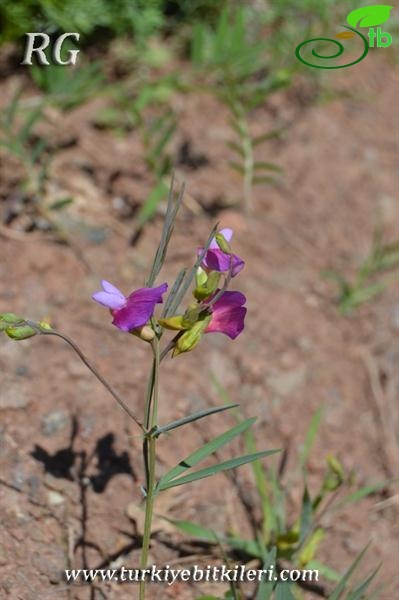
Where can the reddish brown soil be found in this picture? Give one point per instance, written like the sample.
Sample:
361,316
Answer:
296,354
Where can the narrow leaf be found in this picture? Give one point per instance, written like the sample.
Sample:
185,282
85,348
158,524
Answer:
191,418
283,591
310,437
218,468
267,166
361,588
267,136
175,288
337,593
365,491
206,450
265,588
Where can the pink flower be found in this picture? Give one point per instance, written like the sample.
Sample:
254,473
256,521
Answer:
228,314
132,311
217,260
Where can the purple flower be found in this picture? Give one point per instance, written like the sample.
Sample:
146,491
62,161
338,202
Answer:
135,310
217,260
228,314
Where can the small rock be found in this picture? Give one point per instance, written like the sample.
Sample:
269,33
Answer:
54,422
54,498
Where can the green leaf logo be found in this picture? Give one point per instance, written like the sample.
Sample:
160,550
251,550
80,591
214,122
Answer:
369,16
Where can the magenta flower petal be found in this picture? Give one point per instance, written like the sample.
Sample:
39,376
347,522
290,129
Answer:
217,260
133,311
139,308
153,295
228,314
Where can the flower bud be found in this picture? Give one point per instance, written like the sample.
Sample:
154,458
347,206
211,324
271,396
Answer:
223,243
145,333
201,277
335,475
175,323
210,286
7,319
22,332
191,337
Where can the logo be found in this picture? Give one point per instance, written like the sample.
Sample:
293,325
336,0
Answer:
370,17
44,43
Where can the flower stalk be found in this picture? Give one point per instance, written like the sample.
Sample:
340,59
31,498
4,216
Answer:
149,456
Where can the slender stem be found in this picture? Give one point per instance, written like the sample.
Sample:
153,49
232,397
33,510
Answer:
149,455
88,364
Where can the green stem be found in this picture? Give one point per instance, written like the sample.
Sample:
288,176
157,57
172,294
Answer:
246,142
149,455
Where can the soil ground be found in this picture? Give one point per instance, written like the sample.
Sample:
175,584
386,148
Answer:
70,460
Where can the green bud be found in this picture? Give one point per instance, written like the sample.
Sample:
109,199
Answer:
22,332
10,318
175,323
190,338
223,243
206,290
335,475
191,315
201,277
336,467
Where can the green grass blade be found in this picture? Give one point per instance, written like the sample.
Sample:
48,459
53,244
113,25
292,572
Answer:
283,591
196,531
310,437
365,491
149,208
361,588
306,516
265,588
337,593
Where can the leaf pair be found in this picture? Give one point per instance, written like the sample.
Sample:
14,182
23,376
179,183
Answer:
176,475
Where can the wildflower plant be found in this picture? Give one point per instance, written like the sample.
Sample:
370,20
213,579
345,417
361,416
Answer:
212,308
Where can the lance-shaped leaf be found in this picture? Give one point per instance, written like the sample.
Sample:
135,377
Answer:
197,531
265,588
218,468
206,450
283,591
369,16
359,591
338,591
190,418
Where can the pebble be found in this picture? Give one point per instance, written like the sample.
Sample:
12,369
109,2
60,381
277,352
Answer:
54,422
54,498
